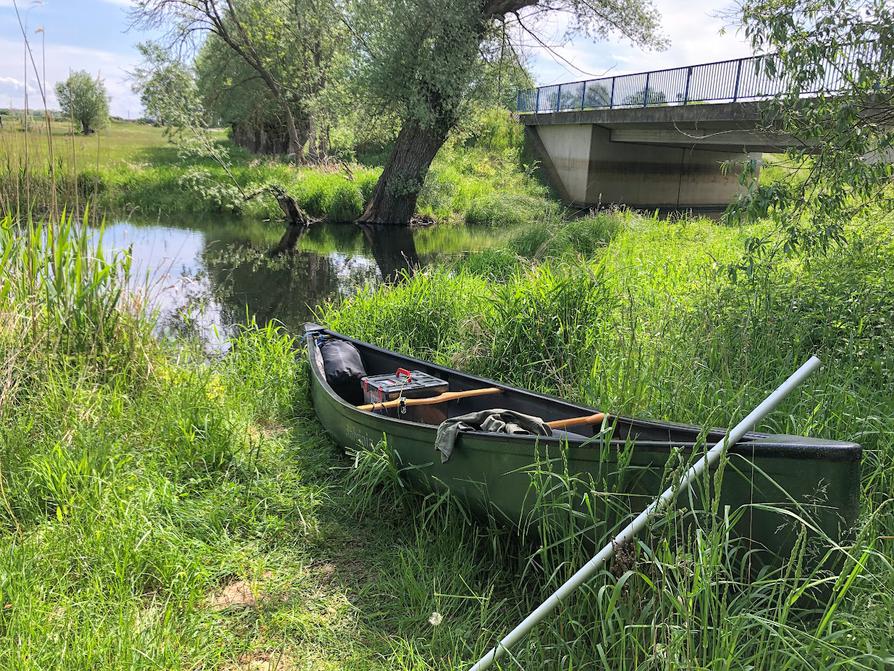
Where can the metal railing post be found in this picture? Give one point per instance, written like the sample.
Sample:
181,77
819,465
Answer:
611,97
646,90
559,99
537,102
738,77
688,79
583,96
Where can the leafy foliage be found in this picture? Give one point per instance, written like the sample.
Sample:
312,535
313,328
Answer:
84,100
167,90
845,133
283,47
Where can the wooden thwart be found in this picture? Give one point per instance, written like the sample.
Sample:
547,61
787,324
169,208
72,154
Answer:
576,421
432,400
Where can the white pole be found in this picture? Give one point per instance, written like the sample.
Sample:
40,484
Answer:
631,530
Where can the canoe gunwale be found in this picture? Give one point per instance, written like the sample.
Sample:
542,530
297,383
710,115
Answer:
753,444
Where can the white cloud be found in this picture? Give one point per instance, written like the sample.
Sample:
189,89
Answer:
62,59
12,82
693,27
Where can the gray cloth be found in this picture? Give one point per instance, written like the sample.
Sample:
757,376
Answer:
491,421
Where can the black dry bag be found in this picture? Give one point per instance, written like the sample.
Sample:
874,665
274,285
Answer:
344,369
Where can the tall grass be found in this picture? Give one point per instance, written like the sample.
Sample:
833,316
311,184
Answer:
62,294
651,323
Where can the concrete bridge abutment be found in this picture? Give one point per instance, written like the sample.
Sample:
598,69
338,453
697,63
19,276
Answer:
589,168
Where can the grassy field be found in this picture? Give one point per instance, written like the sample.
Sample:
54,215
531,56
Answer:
133,169
164,510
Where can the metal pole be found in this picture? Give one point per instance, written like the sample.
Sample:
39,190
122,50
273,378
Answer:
738,78
611,99
686,94
631,530
583,96
559,99
646,90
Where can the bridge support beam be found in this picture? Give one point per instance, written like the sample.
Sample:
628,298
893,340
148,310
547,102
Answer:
588,168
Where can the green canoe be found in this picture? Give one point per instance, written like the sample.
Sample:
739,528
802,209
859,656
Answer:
771,485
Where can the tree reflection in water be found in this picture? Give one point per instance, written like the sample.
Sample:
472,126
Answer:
206,279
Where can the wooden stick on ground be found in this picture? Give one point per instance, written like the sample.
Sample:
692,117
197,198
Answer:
432,400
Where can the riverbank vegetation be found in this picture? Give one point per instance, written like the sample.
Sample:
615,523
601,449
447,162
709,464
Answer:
481,176
163,509
167,507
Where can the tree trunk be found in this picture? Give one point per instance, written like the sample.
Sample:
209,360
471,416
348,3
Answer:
296,146
297,222
394,198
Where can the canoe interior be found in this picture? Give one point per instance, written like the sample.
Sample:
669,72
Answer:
378,361
768,483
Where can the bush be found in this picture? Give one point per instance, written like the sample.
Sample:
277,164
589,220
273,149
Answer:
346,204
494,129
508,210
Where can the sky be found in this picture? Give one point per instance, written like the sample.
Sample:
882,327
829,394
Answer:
95,35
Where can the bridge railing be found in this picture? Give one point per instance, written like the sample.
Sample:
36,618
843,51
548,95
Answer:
741,79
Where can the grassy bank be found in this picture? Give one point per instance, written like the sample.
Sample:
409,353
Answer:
133,169
651,324
163,510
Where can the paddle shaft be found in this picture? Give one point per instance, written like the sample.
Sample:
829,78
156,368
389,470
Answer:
431,400
639,523
575,421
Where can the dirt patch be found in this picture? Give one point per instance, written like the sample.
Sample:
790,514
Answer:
326,572
239,594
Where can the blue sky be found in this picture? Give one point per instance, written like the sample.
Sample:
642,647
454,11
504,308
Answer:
93,35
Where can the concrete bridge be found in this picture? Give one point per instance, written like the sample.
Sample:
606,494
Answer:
660,139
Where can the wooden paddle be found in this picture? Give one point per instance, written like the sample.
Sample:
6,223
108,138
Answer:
431,400
575,421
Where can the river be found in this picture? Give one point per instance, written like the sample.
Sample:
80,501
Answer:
205,278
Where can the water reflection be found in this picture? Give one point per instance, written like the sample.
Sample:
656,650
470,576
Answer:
205,279
393,249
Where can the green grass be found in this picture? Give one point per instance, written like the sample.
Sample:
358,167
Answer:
134,169
161,509
164,510
650,323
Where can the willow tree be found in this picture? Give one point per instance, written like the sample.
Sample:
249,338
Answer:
284,46
420,60
84,100
843,51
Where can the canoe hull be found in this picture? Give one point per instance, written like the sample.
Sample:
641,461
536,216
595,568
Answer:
763,490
